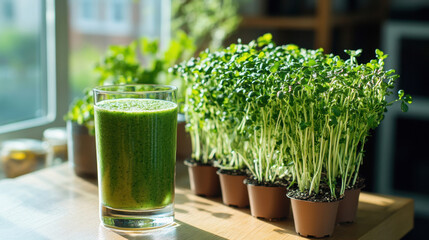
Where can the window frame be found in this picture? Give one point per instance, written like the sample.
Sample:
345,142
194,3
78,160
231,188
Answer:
393,33
56,50
114,27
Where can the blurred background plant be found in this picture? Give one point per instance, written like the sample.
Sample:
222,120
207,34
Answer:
208,22
195,25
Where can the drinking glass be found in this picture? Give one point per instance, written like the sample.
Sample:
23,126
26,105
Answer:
135,132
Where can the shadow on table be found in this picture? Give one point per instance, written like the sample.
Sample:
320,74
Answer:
284,225
200,206
179,230
182,198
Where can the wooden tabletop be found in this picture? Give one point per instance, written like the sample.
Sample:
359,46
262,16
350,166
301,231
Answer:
55,204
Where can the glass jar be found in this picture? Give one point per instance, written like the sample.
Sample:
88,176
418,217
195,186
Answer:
21,156
56,140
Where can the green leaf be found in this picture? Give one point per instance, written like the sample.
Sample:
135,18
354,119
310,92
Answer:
275,67
390,72
311,62
408,99
400,94
243,57
404,107
353,53
291,47
149,47
380,54
265,39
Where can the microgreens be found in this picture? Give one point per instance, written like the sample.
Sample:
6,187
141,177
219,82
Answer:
282,110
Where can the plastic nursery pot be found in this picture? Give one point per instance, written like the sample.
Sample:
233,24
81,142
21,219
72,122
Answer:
203,179
269,203
314,219
234,191
348,206
81,150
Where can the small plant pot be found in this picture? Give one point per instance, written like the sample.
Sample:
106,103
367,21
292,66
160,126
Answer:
348,206
81,150
234,191
184,145
269,203
203,180
314,219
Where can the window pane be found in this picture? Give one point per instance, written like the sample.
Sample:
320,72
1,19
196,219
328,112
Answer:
96,24
23,74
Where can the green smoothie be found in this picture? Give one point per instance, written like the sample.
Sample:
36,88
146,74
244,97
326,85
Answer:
136,152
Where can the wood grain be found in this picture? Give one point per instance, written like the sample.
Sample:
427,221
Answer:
55,204
323,34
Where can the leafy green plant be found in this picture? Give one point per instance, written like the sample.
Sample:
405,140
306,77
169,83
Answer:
230,115
122,65
204,22
195,24
286,110
330,106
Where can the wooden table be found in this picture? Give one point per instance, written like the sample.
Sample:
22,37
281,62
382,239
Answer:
55,204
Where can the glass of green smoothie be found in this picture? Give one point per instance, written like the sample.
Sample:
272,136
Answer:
135,131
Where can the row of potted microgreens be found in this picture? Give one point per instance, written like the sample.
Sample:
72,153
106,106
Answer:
264,106
225,97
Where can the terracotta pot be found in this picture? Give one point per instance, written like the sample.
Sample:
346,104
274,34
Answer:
204,180
269,203
234,191
184,145
348,206
314,219
81,150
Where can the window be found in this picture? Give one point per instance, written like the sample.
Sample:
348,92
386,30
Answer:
97,17
118,17
88,10
117,10
27,64
115,22
85,15
7,10
151,24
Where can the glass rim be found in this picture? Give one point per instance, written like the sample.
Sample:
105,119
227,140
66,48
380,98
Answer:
105,89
